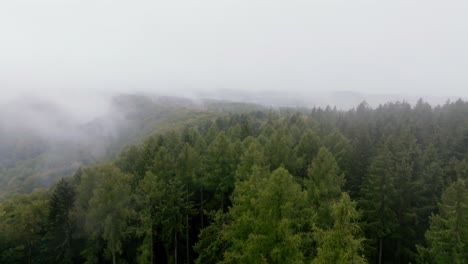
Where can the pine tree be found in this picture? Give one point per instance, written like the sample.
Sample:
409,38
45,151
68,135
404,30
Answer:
378,200
447,237
324,185
187,171
340,147
278,150
253,156
164,206
341,244
220,169
109,208
211,245
264,222
307,149
409,200
61,226
150,193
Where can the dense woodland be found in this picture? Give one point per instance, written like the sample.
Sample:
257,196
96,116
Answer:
40,142
383,185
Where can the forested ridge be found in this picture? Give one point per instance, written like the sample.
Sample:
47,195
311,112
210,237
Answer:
383,185
40,142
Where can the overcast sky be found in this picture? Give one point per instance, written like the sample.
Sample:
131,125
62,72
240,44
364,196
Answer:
393,46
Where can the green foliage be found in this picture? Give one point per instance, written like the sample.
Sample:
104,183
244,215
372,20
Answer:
211,245
209,183
220,165
108,209
343,242
378,197
324,185
265,220
61,225
251,158
23,220
447,237
306,150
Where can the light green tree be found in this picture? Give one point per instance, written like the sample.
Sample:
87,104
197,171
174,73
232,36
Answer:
109,208
341,244
324,185
265,220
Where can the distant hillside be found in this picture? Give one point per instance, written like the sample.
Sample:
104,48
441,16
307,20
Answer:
40,141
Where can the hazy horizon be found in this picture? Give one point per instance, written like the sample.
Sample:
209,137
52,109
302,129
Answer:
74,48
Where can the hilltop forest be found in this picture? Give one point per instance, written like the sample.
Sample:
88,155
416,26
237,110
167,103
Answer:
367,185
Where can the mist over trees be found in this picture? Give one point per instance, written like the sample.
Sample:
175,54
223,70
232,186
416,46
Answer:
40,141
239,183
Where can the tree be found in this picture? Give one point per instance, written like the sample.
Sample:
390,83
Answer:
60,222
253,156
173,210
307,149
378,199
130,161
278,150
220,168
109,208
409,200
265,220
447,237
342,243
163,208
324,185
211,245
188,168
149,194
23,219
339,145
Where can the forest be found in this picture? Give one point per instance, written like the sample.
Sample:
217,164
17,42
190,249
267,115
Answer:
368,185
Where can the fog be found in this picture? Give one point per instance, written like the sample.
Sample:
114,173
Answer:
78,52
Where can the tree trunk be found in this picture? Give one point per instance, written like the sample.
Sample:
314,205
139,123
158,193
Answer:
152,246
380,251
222,202
187,228
187,242
201,208
175,247
29,252
113,256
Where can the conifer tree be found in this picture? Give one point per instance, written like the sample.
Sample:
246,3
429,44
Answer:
220,169
306,150
324,185
341,244
109,208
447,237
378,200
265,223
253,156
60,222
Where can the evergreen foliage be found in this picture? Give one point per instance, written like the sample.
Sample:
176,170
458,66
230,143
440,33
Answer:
262,187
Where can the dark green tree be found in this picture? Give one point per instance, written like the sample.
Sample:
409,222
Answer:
377,201
61,224
220,169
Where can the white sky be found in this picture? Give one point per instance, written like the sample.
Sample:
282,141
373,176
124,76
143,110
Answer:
393,46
